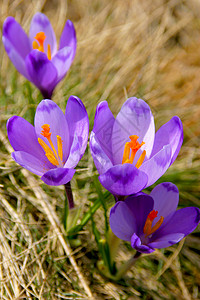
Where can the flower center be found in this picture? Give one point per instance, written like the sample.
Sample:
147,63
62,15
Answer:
148,229
133,146
55,158
39,45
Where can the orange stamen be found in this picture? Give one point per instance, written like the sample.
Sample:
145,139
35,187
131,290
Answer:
157,225
45,147
49,52
54,157
35,45
148,229
133,146
40,37
39,45
60,149
47,134
141,159
126,153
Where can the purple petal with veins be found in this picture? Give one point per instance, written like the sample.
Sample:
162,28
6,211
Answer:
47,65
45,149
114,143
135,219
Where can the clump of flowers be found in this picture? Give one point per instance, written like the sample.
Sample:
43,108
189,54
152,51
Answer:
52,148
127,152
36,56
152,221
129,155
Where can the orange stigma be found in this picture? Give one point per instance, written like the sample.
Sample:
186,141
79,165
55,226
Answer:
39,45
148,229
133,146
55,158
46,131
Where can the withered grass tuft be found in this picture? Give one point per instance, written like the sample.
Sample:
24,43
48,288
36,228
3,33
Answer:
125,48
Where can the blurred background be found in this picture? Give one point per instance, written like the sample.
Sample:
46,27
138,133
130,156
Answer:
125,48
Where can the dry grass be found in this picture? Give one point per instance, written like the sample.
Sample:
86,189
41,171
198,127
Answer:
125,48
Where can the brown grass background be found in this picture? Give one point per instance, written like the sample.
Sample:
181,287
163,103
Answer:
148,49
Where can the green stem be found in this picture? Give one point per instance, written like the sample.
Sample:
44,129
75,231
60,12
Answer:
121,271
125,267
113,242
69,195
69,204
119,198
65,215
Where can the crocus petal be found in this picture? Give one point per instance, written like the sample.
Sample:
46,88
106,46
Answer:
157,165
58,176
22,137
134,118
68,37
74,154
48,112
40,23
29,162
166,197
140,206
103,126
14,33
136,244
122,221
16,58
170,133
16,44
167,240
101,160
62,60
123,180
183,221
78,122
42,72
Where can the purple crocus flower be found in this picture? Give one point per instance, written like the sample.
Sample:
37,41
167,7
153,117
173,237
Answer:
36,57
151,221
128,155
52,148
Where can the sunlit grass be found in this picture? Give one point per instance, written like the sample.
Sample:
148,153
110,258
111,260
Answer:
125,48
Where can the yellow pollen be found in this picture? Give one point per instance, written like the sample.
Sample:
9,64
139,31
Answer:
51,153
141,159
133,146
148,229
39,45
52,159
59,144
45,147
48,52
35,45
